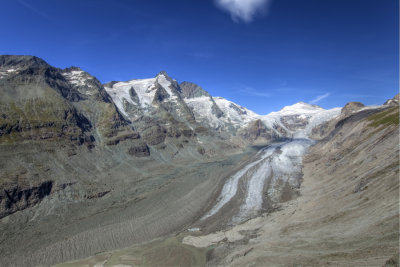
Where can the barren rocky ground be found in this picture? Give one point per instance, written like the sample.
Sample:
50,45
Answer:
347,212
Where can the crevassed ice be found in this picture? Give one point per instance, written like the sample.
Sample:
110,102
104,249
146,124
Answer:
317,119
278,161
285,164
231,185
254,200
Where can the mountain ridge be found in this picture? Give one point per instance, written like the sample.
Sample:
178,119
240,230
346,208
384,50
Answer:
95,162
226,116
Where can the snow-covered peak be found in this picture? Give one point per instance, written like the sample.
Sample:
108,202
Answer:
235,113
81,80
298,108
299,119
76,77
140,93
121,93
166,82
163,73
204,111
135,97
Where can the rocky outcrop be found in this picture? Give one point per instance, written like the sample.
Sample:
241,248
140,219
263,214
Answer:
139,150
294,122
356,111
393,102
18,197
122,137
192,90
36,120
155,135
257,132
351,107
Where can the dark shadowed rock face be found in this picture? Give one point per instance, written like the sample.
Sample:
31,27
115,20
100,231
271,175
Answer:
22,70
155,135
139,150
87,85
191,90
36,120
160,95
10,65
19,197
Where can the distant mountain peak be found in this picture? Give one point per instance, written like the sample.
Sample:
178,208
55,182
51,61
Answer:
394,101
306,104
73,68
300,107
22,61
164,73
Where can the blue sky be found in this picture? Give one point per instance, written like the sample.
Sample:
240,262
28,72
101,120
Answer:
262,54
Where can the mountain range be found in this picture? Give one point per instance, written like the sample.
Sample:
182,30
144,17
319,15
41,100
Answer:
88,167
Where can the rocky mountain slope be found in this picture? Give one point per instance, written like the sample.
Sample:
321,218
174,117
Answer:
108,166
191,103
347,213
69,154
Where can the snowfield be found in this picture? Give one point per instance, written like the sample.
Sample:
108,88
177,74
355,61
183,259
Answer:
314,115
145,90
203,107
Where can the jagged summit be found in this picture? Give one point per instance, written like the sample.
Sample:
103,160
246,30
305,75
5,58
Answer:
22,61
163,72
137,97
159,95
13,65
394,101
73,68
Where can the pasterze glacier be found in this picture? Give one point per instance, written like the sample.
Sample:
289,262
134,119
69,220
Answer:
199,133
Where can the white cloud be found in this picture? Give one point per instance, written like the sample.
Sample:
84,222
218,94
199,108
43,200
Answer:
244,10
319,98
